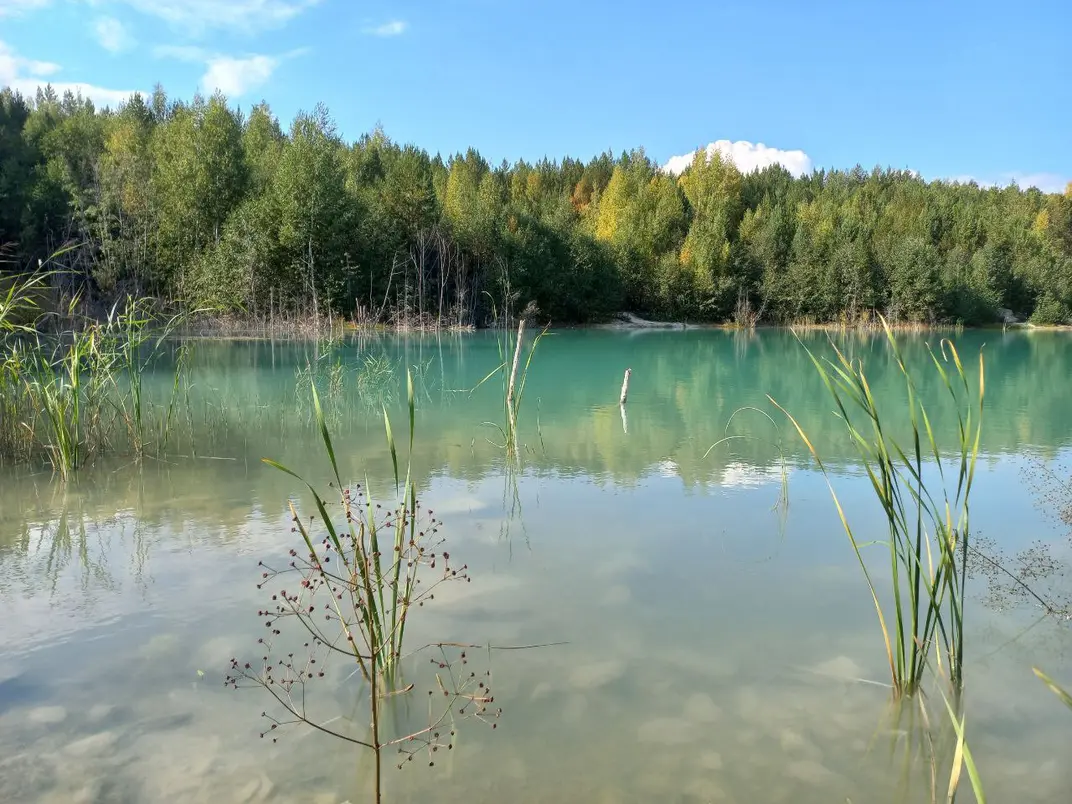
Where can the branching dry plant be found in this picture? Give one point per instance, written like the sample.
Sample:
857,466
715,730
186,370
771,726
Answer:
346,592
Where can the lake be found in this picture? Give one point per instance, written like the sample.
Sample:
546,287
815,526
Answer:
707,633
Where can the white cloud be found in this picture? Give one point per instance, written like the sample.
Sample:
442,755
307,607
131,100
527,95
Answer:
1046,182
11,8
235,77
12,66
747,157
232,75
196,16
393,28
112,35
101,96
26,75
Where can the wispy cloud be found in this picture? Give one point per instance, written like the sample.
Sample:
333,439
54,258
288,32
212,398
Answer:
181,52
1046,182
12,8
392,28
26,75
246,16
747,157
12,65
112,35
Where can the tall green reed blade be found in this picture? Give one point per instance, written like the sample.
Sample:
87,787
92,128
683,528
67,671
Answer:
962,757
1066,699
54,385
386,592
928,534
18,307
525,371
359,564
513,386
398,618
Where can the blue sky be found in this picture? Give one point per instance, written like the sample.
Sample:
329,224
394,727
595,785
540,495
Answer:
975,89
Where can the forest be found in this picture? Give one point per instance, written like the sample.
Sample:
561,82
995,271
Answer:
207,206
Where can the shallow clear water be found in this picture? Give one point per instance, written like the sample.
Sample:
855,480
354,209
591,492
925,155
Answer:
720,640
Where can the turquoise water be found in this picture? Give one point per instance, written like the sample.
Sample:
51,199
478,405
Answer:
719,640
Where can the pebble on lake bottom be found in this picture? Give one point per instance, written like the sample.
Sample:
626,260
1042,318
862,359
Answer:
705,790
701,709
667,731
796,743
255,791
711,760
811,772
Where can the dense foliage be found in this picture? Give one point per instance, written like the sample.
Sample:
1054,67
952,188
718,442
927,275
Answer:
201,203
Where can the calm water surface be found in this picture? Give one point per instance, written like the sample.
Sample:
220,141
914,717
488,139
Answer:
720,641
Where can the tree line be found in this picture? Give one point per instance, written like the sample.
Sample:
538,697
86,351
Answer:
206,205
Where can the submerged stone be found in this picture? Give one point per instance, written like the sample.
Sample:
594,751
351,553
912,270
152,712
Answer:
666,731
701,709
255,791
711,760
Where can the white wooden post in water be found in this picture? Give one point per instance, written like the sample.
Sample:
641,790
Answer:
625,386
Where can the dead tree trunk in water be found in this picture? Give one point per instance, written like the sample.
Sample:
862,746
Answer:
511,412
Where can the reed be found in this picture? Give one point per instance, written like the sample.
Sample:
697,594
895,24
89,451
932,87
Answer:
1057,690
513,383
64,393
962,757
132,338
54,385
927,521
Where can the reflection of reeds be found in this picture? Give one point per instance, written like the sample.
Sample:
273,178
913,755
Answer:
61,539
376,381
783,498
928,530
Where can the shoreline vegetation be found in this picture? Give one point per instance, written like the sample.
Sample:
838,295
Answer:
208,206
165,218
238,329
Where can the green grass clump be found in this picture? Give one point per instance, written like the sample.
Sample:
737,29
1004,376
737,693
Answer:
924,496
74,393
